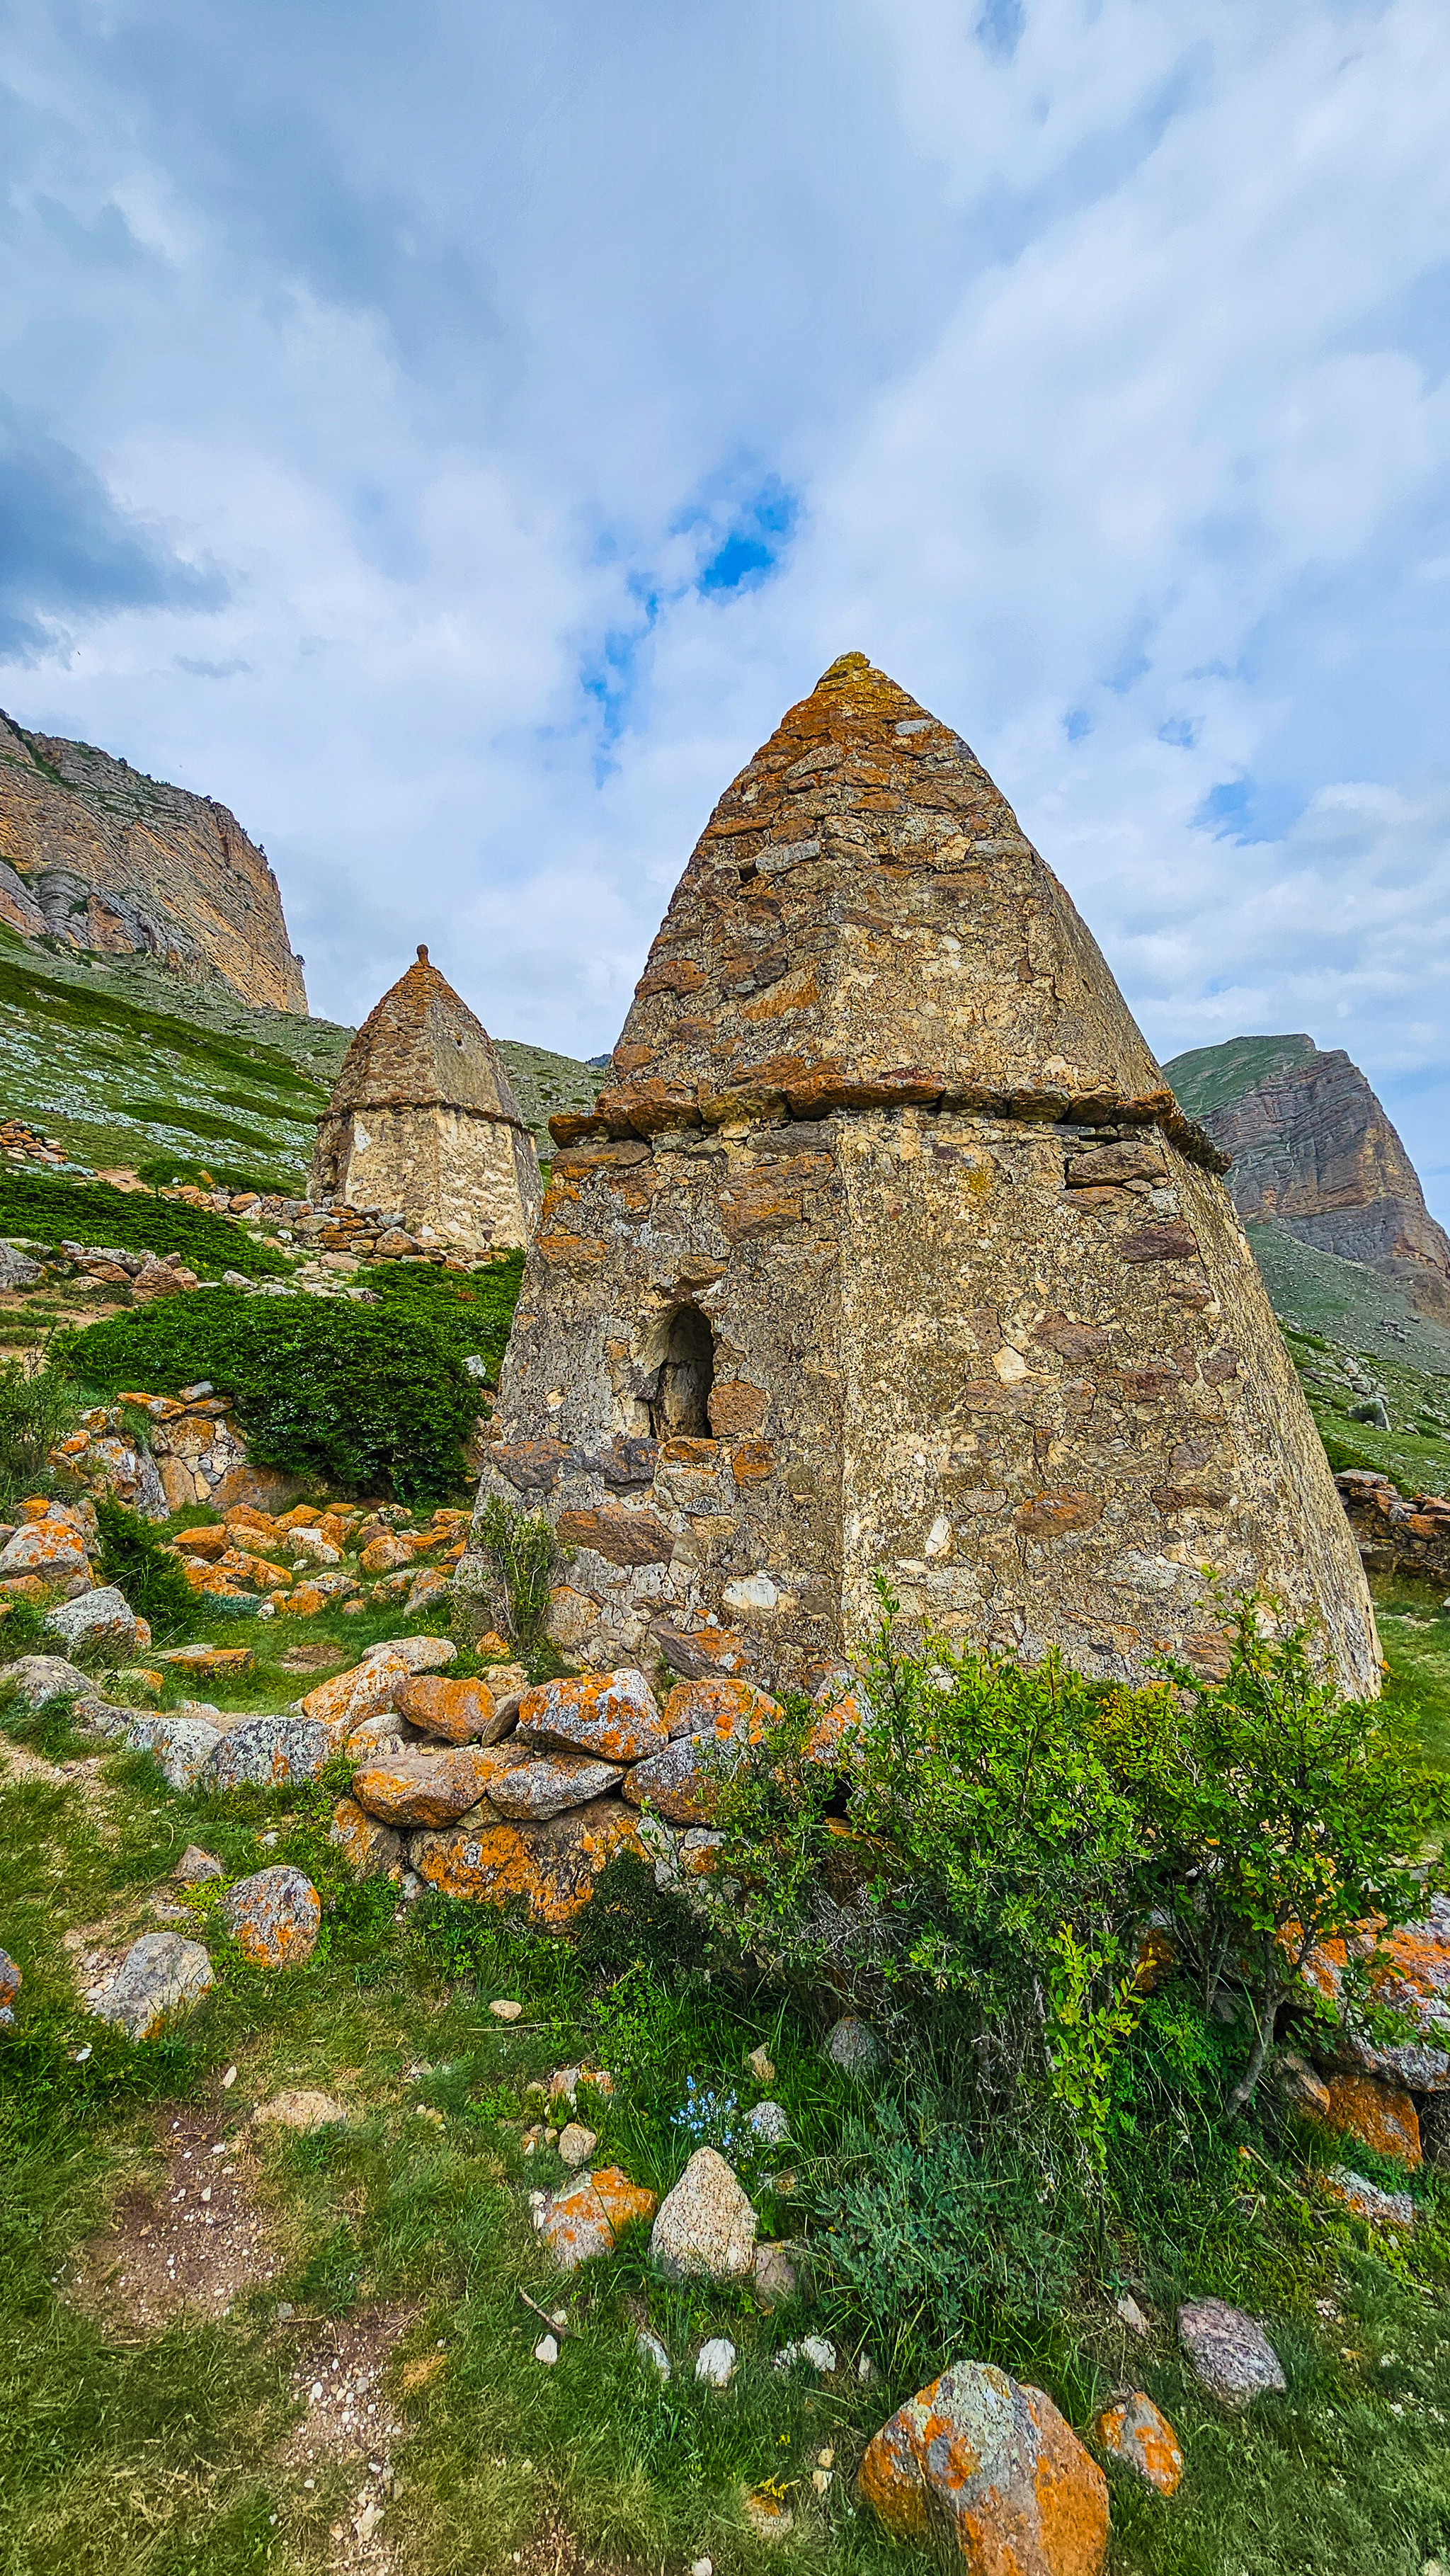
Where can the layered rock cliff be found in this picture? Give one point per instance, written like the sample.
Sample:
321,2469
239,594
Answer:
1314,1150
102,858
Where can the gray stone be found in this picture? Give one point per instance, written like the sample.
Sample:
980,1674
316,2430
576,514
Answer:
17,1270
777,2274
650,2348
160,1979
266,1752
812,2348
715,2362
853,2047
10,1985
705,2226
195,1865
1365,2199
182,1745
100,1618
1228,2352
43,1678
273,1916
771,2123
678,1783
548,1786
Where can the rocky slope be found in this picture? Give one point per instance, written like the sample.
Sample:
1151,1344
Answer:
100,857
1315,1153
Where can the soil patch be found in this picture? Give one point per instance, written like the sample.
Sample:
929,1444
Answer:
349,2418
192,2238
314,1658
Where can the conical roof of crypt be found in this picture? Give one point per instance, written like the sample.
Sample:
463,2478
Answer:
421,1047
864,922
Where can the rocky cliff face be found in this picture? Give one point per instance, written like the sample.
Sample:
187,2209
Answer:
1313,1149
97,855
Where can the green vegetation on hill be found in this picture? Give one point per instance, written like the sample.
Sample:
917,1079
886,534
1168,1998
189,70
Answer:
366,1399
128,1064
49,1207
1208,1078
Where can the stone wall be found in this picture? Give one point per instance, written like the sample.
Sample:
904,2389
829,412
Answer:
1026,1369
197,1454
1396,1535
467,1178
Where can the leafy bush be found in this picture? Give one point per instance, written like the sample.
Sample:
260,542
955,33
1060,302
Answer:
47,1208
36,1410
524,1552
1013,1832
356,1398
132,1557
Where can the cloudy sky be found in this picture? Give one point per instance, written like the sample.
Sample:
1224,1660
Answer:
452,435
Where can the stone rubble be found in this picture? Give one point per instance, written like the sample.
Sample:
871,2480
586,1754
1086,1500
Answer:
989,2473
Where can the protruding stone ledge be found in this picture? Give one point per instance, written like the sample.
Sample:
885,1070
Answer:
812,1094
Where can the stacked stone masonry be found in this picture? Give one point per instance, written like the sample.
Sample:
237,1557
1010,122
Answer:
423,1115
1393,1532
887,1247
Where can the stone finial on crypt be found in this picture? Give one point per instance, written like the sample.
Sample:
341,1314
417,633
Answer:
423,1119
888,1247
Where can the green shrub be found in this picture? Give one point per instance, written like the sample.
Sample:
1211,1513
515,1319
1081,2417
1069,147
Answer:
524,1552
36,1409
356,1398
47,1208
133,1558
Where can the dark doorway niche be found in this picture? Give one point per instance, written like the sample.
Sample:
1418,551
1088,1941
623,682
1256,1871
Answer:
680,1407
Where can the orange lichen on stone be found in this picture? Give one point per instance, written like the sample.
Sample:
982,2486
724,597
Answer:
1133,2430
987,2468
459,1712
586,2220
553,1865
612,1715
428,1788
1379,2115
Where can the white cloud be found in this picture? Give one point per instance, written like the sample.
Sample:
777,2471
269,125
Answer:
1096,366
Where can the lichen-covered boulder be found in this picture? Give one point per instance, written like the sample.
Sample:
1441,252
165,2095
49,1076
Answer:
371,1849
160,1979
1365,2200
1228,2352
718,1704
1378,2115
553,1864
266,1752
41,1679
549,1784
1133,2430
183,1746
706,2226
100,1618
987,2471
374,1684
51,1548
457,1712
613,1715
195,1866
1409,1972
273,1917
11,1982
432,1788
586,2219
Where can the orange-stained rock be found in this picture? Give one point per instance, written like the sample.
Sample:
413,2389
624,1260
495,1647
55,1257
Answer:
209,1663
305,1601
613,1715
342,1702
213,1582
494,1649
203,1542
1379,2115
553,1865
50,1548
457,1712
1409,1971
987,2470
431,1788
273,1917
719,1705
371,1850
1133,2431
832,1737
586,2219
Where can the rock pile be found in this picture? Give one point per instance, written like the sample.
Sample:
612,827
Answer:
196,1454
1393,1532
22,1144
490,1790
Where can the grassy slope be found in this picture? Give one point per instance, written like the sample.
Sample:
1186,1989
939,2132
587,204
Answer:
123,1062
162,2454
1208,1078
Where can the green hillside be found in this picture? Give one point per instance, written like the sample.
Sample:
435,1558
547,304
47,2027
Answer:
1209,1078
128,1065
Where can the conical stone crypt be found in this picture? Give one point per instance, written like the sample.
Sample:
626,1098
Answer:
423,1120
888,1247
